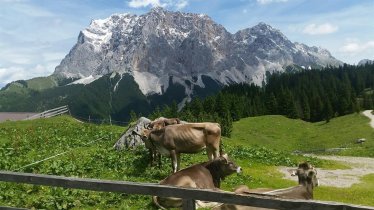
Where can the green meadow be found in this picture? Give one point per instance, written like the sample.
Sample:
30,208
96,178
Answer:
258,145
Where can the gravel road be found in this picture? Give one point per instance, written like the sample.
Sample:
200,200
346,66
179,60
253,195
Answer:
369,114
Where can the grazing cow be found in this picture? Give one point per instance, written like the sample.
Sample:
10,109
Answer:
161,122
185,138
207,175
157,124
155,156
307,176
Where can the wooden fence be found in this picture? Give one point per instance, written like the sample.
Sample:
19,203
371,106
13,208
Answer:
189,195
50,113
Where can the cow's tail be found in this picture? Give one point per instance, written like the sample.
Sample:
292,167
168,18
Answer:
155,201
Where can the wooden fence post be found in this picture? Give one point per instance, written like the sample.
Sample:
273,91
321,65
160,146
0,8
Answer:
188,204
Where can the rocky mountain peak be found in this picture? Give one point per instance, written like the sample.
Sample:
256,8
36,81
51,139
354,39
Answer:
162,47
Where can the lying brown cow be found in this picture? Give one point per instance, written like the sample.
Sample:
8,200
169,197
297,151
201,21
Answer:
307,176
173,140
207,175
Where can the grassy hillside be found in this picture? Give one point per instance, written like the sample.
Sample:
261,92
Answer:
90,154
286,134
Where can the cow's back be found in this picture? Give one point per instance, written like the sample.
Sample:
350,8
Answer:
195,177
191,137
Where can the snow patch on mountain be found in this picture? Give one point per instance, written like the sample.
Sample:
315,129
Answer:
86,80
148,82
99,32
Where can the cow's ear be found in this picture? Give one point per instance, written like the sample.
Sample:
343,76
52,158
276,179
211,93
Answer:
293,172
311,173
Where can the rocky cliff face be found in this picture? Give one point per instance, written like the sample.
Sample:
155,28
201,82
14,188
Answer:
162,48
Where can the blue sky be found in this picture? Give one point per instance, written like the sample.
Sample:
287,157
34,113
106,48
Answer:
35,35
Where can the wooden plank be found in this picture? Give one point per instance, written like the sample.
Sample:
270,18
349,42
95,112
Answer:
55,113
188,204
170,191
45,112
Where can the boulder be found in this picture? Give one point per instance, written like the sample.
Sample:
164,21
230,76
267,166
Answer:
131,137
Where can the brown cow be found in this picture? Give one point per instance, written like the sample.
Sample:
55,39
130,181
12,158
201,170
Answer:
157,124
207,175
161,122
307,176
185,138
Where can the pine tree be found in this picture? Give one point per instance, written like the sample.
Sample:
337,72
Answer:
305,107
226,124
155,114
327,110
133,116
271,104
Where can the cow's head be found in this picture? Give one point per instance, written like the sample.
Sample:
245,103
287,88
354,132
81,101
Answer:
227,167
157,124
306,173
145,133
161,122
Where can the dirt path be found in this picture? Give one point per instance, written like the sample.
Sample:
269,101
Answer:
369,114
360,167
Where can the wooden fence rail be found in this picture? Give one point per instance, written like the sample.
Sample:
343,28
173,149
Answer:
189,195
50,113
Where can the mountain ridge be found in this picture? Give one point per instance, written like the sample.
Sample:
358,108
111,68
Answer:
161,44
157,58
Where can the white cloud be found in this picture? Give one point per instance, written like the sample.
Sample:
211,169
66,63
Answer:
314,29
175,4
145,3
13,73
8,75
354,46
263,2
181,4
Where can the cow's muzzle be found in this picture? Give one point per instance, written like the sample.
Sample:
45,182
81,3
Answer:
239,170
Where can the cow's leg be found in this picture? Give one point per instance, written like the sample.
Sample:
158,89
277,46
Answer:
209,152
178,161
212,146
212,152
216,152
151,156
174,162
158,155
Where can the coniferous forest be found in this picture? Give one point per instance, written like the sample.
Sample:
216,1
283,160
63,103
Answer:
310,95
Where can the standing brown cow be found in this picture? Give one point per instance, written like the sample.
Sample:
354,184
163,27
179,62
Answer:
207,175
173,140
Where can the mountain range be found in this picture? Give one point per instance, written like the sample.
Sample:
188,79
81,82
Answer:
129,62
